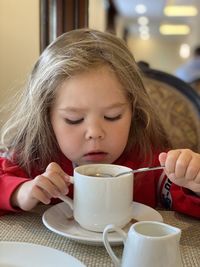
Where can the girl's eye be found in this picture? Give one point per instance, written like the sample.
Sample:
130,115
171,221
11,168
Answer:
68,121
113,118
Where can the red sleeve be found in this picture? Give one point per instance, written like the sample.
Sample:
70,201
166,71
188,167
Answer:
11,176
179,199
185,201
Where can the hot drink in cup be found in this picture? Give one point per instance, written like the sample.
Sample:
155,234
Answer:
99,201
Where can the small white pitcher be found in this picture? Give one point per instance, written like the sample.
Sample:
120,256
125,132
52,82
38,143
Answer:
147,244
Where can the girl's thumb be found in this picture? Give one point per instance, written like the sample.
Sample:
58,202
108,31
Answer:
162,158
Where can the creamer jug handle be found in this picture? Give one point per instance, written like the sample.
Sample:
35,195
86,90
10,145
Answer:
123,235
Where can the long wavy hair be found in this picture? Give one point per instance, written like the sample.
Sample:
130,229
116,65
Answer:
28,136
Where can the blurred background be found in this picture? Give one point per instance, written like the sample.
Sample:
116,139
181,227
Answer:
160,32
153,34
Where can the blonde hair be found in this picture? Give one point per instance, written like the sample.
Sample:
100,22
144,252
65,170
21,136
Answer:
28,134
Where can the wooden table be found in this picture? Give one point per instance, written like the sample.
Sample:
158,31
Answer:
28,227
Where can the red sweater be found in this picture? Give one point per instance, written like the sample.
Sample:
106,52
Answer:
151,188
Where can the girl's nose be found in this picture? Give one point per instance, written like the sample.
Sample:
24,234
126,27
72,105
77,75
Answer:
95,132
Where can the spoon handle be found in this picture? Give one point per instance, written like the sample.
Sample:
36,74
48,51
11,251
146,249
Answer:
148,169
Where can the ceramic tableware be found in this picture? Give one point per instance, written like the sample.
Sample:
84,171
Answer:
58,220
147,244
23,254
99,201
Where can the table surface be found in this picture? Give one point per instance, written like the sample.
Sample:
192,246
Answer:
28,227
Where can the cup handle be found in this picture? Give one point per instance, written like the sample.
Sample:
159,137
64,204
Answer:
111,228
66,199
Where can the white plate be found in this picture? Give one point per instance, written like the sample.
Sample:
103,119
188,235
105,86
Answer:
57,220
17,254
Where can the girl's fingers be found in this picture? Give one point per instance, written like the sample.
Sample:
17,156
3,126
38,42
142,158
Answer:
193,170
197,180
58,181
162,158
182,163
41,195
49,185
54,167
170,162
57,177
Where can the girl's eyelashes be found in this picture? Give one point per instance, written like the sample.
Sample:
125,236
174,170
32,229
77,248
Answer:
113,118
72,122
68,121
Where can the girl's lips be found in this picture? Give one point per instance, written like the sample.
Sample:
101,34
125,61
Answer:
95,156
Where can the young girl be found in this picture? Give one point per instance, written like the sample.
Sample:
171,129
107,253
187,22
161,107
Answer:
85,103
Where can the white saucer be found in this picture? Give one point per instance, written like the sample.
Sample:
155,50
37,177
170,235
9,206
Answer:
17,254
56,220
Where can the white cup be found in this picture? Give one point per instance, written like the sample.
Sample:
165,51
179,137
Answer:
147,244
99,201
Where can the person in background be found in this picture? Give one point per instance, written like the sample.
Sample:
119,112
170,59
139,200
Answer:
190,71
84,103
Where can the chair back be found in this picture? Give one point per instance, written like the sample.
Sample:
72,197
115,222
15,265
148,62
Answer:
196,85
178,107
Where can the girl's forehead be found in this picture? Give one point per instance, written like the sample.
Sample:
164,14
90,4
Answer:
99,75
95,69
101,83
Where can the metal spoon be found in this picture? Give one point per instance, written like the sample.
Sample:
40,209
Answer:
66,199
133,171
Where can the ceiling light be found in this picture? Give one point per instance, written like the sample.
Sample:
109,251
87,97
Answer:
171,29
144,36
140,9
184,11
143,20
143,28
184,51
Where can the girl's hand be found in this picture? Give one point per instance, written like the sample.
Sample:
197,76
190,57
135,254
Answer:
182,166
52,183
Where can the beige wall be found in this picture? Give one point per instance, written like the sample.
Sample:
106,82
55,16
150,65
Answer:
97,14
160,54
19,46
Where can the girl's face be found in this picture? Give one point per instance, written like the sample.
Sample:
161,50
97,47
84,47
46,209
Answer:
91,117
